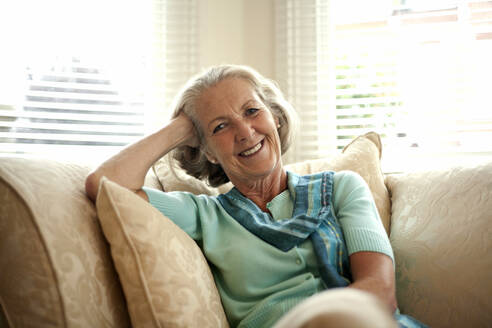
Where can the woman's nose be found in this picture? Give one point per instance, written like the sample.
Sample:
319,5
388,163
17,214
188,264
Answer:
244,131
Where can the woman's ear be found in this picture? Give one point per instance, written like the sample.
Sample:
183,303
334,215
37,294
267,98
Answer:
211,158
277,122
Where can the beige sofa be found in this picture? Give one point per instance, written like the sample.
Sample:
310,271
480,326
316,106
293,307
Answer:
62,265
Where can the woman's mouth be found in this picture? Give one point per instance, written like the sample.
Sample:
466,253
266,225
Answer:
252,151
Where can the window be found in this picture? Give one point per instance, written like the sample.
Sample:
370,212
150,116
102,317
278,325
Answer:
82,79
414,71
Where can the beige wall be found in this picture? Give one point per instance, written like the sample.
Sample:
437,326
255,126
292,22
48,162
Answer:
237,32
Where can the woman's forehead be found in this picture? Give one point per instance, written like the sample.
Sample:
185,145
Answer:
231,92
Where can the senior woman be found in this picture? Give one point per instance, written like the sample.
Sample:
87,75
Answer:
276,238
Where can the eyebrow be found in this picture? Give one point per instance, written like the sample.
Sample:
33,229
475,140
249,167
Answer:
248,103
244,106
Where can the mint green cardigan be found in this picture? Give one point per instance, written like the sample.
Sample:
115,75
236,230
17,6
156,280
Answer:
257,282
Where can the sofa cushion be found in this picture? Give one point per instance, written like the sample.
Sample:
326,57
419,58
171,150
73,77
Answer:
362,156
441,233
174,178
165,277
55,265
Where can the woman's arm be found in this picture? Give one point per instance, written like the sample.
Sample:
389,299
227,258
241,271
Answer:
373,272
129,167
371,256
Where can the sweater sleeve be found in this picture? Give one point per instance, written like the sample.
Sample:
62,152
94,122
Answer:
357,213
180,207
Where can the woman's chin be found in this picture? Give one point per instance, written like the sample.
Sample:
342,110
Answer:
256,166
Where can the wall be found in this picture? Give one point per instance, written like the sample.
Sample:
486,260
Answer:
237,32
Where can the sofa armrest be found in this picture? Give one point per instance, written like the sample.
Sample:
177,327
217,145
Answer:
55,262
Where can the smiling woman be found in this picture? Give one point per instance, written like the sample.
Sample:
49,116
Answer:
308,233
243,141
251,99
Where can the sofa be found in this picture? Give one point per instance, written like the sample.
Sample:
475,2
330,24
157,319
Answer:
66,262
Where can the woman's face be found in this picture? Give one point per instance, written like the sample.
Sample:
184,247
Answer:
240,131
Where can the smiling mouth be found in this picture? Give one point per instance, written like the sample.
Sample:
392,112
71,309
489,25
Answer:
252,151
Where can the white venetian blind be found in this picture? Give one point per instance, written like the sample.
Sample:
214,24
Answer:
417,72
175,53
81,79
300,71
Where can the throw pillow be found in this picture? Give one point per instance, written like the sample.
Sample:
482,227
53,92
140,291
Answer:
165,277
362,156
181,181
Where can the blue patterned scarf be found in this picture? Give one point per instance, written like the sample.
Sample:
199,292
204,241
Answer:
312,217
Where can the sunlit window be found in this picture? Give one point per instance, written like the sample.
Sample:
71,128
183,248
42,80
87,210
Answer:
416,72
81,79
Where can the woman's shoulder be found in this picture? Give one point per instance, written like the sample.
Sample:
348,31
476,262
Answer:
347,183
202,199
348,176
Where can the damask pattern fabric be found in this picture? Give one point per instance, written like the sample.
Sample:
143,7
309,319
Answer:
442,238
165,277
56,269
21,250
176,179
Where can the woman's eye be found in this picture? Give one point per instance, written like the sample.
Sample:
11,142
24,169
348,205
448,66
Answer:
218,127
251,111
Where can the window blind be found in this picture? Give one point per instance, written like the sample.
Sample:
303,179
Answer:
175,53
69,106
102,89
299,71
415,72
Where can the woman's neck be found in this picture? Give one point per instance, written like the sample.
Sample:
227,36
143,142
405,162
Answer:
262,191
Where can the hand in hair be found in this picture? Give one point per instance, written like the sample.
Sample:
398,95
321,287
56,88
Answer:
191,138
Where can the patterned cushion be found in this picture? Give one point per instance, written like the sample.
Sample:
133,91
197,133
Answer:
165,277
362,156
441,233
179,180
